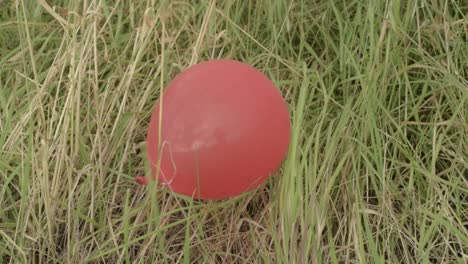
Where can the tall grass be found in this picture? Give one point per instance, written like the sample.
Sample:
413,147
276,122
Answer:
377,167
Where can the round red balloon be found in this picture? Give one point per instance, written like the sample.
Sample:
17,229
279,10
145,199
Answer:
224,130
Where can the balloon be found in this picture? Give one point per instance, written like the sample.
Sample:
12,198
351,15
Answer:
225,129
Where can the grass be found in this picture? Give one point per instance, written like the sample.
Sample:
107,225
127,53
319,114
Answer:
377,168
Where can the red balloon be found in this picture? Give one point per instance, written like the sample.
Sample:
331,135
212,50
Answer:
224,130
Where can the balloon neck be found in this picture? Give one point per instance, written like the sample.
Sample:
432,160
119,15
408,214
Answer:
141,180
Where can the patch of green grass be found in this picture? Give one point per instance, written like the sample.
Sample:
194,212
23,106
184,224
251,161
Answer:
377,167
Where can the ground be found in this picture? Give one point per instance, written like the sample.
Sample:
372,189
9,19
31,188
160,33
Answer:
377,166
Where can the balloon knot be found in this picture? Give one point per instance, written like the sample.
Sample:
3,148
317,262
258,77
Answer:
141,180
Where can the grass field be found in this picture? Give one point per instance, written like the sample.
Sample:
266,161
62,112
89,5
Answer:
377,167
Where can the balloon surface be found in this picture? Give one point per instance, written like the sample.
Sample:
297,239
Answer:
224,129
